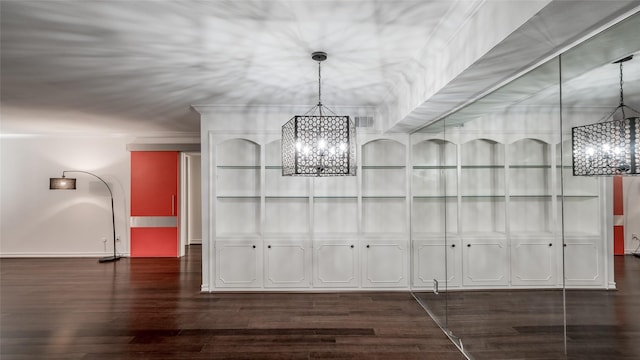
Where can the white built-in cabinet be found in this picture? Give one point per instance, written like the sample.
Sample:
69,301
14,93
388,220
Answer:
492,214
275,232
467,213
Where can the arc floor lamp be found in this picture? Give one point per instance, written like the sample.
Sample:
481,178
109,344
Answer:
65,183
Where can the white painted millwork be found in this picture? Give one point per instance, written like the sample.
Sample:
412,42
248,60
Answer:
336,263
500,201
533,260
384,263
272,232
489,209
238,264
287,264
485,260
584,261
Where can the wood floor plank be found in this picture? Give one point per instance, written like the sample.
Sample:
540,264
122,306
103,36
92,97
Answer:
529,324
153,309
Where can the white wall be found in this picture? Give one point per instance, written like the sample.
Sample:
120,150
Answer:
36,221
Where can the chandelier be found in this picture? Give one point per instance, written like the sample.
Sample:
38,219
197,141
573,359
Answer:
319,143
609,147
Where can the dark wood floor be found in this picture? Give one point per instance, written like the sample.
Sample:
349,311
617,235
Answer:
153,309
528,324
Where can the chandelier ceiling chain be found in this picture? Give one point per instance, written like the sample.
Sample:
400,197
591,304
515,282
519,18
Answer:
320,86
621,106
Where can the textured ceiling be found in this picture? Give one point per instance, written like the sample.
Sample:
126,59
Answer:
143,63
137,66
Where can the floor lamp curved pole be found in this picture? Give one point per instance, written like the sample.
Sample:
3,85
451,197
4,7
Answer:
65,183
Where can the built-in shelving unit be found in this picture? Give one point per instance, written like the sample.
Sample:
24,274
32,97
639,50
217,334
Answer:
494,211
490,210
310,232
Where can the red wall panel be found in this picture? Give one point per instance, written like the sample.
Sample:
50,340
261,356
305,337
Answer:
154,242
154,193
154,183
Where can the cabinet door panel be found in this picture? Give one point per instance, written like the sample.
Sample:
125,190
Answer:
532,262
583,262
485,261
336,264
384,264
239,264
429,263
287,264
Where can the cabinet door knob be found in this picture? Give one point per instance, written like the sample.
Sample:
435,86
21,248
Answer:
453,245
269,246
254,246
565,245
352,246
367,246
468,245
550,244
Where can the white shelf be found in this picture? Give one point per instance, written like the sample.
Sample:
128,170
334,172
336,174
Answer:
434,153
278,185
384,181
384,215
383,153
429,214
335,215
245,181
383,167
237,152
340,186
238,196
228,220
286,215
434,182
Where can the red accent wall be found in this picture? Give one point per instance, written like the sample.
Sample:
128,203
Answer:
154,242
154,192
154,181
618,209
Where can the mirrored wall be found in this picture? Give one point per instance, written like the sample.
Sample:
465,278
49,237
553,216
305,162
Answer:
512,254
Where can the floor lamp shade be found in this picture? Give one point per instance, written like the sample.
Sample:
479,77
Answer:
62,183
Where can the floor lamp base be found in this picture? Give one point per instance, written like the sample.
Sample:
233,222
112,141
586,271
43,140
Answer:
108,259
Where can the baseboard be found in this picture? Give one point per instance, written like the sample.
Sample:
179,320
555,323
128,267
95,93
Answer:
56,255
